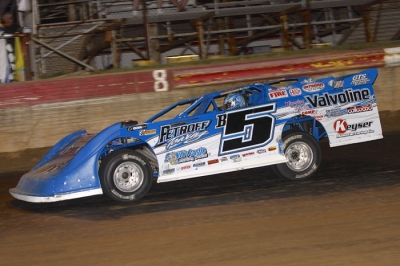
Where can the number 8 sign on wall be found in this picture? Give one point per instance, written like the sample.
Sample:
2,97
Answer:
160,80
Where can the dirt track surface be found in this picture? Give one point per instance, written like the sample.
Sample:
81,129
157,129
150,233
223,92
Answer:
347,214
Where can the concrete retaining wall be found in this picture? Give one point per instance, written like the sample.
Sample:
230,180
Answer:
24,126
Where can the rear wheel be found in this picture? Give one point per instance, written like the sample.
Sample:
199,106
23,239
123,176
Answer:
125,175
304,157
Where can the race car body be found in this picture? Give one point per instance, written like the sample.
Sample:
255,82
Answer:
277,123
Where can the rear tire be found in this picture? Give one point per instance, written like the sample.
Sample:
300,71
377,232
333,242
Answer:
125,175
304,157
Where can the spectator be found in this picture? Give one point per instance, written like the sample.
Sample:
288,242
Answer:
181,5
8,57
136,6
9,25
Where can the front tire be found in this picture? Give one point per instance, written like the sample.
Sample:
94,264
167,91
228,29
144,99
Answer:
125,175
304,157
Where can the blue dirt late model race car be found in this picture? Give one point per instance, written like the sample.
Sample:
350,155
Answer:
235,129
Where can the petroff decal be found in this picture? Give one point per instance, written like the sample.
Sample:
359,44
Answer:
359,109
147,132
348,96
360,79
278,94
312,87
176,135
213,161
185,138
185,156
341,126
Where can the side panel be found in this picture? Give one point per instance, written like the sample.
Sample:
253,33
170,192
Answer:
345,106
217,142
355,121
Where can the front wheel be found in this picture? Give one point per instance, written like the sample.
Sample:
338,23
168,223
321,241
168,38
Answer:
125,175
304,157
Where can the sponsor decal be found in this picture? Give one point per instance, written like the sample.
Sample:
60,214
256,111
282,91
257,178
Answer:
175,136
199,164
318,117
360,109
296,105
312,87
185,139
248,154
309,112
147,132
309,80
287,87
360,79
341,126
261,151
224,159
350,110
355,133
335,112
186,167
135,128
348,96
236,158
295,92
278,94
185,156
213,161
272,148
338,84
169,171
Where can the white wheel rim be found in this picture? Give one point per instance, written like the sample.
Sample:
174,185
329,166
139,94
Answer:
128,177
299,155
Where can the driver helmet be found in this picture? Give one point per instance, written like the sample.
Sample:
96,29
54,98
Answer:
233,101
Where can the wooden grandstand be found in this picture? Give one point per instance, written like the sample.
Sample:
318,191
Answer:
70,35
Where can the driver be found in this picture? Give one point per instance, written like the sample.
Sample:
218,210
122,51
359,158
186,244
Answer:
234,101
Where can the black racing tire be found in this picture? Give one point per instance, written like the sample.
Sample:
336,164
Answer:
125,175
304,155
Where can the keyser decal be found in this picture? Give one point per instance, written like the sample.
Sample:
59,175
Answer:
341,126
348,96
